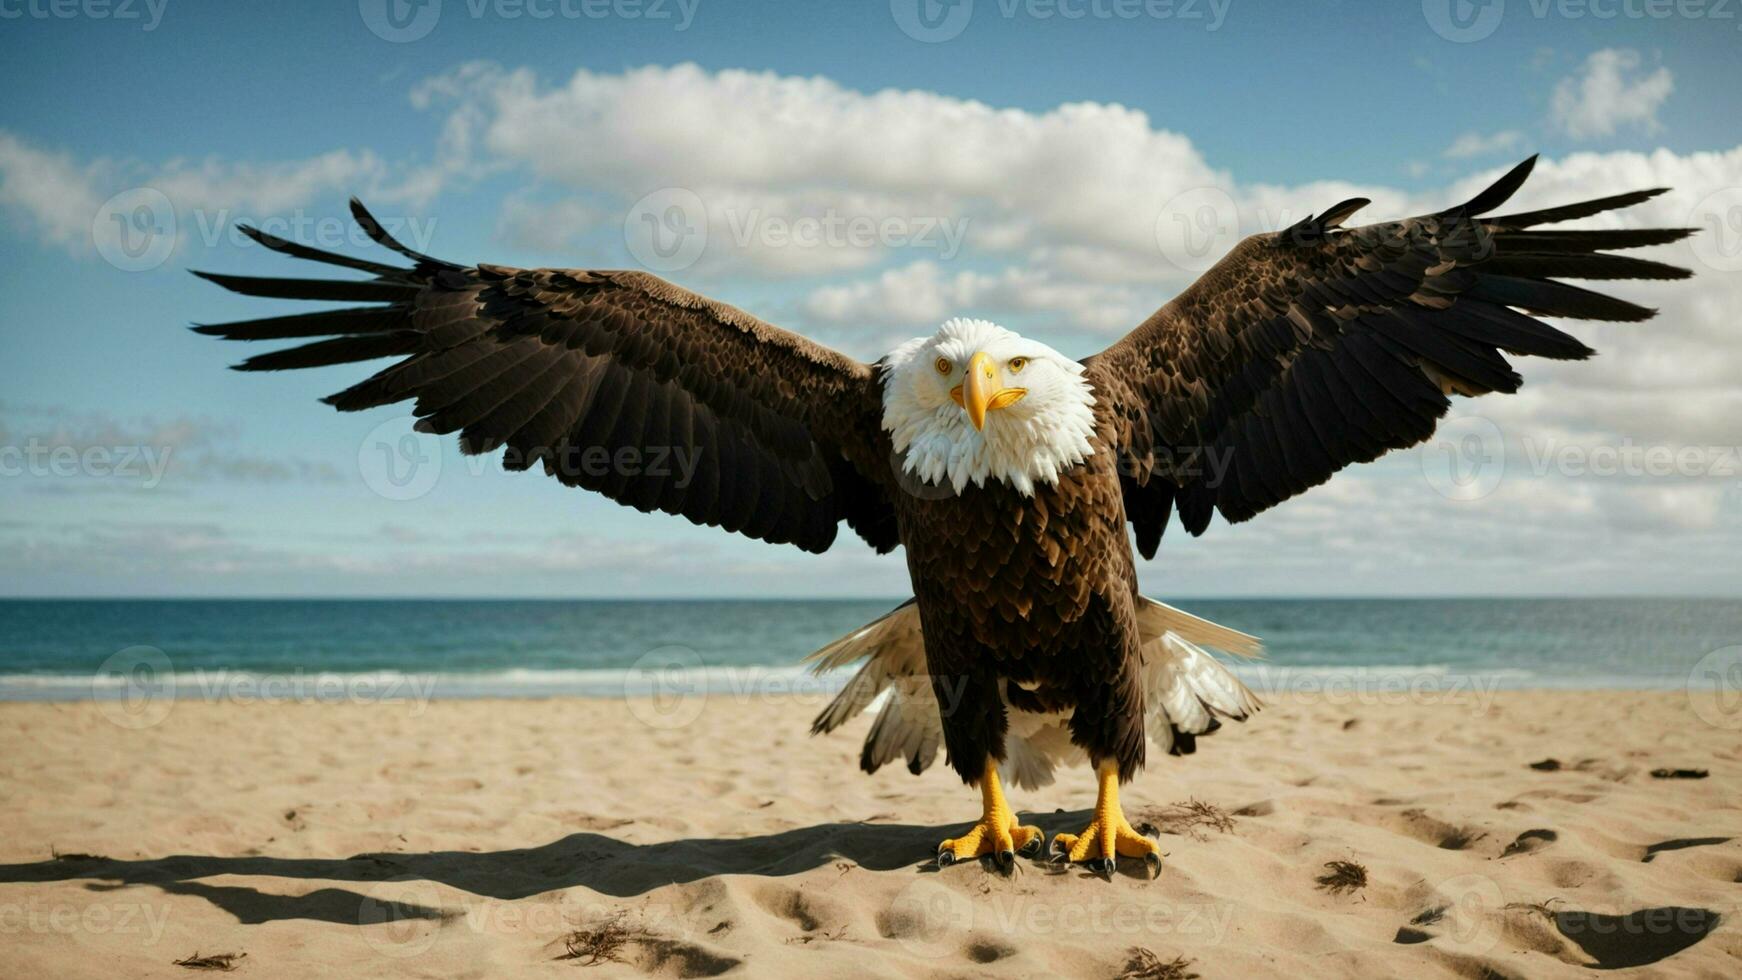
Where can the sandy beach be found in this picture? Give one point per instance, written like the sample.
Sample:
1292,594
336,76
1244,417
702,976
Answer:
618,838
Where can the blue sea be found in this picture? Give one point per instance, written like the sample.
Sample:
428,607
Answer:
330,649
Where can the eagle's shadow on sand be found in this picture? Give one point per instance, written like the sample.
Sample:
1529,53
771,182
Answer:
604,864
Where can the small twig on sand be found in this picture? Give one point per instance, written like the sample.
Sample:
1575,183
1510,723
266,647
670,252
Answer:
222,962
73,855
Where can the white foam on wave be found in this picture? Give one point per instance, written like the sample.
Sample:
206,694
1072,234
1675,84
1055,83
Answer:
743,681
336,686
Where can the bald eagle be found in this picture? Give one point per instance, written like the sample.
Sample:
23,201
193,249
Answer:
1006,470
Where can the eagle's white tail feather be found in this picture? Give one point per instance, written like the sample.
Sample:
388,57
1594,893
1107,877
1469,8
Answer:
907,727
1185,691
1156,618
1034,747
891,647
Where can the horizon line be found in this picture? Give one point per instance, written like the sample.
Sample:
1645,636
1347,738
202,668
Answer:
1183,597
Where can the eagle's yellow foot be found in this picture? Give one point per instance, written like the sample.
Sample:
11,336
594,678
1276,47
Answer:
997,834
1109,835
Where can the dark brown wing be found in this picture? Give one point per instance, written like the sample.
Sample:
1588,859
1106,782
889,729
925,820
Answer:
613,381
1316,347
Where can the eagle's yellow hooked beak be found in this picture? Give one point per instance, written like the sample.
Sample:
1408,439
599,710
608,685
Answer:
981,393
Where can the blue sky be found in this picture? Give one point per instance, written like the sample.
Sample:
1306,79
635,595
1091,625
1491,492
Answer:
1036,126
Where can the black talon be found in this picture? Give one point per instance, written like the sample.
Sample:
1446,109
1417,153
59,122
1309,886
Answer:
946,857
1101,866
1152,861
1033,847
1005,860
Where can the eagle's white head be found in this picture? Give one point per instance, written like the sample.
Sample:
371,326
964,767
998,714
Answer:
976,402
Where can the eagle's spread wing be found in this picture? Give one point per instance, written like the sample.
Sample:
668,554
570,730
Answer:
1307,350
602,378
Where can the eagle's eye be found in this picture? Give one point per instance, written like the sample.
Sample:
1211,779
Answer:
944,366
1016,364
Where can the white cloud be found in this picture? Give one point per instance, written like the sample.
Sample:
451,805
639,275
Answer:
67,201
1688,507
526,220
1083,173
921,295
57,193
1479,145
1610,93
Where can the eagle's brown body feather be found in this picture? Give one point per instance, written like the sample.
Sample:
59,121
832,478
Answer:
1037,592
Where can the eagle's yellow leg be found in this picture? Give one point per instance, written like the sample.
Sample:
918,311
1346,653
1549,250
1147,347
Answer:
997,834
1108,834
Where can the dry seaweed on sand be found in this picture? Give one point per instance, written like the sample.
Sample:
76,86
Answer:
832,936
222,962
1342,876
1679,774
1145,965
600,943
1189,818
1429,916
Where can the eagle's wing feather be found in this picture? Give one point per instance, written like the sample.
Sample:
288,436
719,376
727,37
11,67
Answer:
1307,350
1186,693
618,382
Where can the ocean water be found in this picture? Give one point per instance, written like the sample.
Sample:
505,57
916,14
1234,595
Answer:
334,649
